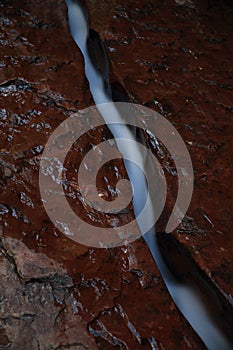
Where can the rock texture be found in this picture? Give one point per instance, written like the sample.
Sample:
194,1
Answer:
37,310
172,56
176,58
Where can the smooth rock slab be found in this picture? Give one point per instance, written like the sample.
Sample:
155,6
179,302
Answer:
176,57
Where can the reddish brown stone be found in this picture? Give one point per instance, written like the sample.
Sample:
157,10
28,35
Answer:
117,293
176,57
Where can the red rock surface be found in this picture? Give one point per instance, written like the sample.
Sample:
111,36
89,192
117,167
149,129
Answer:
176,57
53,289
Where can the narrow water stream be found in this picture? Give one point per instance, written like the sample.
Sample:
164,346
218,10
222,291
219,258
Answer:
186,295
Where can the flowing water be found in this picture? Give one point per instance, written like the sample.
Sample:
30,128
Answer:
185,295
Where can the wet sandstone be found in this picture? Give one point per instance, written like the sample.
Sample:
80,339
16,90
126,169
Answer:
178,62
65,294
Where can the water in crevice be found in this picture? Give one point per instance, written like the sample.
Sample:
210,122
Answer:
185,295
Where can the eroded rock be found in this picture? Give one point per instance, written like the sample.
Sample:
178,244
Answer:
31,314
